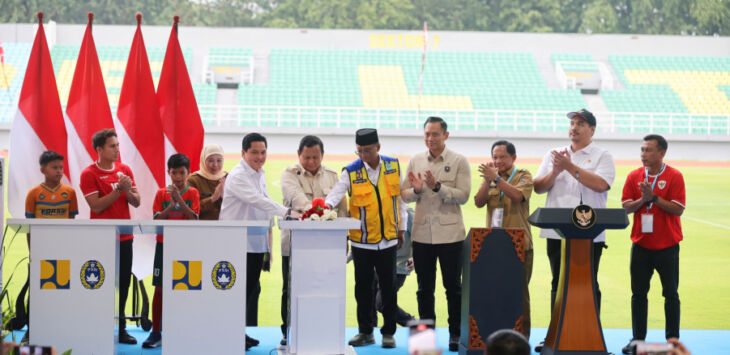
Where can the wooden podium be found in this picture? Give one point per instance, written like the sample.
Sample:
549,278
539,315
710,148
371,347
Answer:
575,327
203,284
493,279
317,286
73,282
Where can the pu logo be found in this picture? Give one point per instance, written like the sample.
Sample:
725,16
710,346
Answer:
55,274
187,274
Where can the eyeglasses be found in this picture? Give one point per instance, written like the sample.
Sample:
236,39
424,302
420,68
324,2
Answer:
365,151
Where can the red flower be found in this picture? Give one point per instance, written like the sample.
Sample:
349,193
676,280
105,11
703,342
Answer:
318,208
318,202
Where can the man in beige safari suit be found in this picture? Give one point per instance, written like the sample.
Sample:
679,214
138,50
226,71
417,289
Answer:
300,184
439,181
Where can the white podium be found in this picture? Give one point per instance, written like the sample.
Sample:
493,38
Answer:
203,285
74,282
317,286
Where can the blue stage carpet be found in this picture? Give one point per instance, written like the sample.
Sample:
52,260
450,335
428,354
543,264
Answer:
700,342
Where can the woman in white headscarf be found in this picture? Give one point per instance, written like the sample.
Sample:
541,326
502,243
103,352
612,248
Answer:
209,181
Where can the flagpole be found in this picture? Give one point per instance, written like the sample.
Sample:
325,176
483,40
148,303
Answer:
423,66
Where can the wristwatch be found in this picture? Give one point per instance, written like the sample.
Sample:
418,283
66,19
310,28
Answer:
497,179
654,199
438,187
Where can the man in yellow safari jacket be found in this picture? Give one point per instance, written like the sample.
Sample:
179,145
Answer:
373,185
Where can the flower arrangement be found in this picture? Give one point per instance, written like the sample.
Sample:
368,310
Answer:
319,212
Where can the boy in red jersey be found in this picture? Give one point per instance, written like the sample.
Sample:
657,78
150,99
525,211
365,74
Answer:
176,201
108,187
50,199
655,194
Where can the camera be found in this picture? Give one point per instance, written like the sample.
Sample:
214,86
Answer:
642,348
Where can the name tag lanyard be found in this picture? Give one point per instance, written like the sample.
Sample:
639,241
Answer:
501,193
646,179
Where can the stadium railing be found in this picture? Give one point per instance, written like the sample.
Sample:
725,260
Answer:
463,120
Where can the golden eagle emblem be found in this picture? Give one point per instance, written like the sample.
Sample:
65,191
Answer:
583,217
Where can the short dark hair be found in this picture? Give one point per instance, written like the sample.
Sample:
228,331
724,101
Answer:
178,160
99,138
250,138
49,156
309,142
435,119
510,147
660,141
507,342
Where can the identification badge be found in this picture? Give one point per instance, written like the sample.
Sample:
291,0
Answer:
497,215
647,223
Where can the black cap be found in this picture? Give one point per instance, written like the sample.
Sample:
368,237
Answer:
584,114
366,136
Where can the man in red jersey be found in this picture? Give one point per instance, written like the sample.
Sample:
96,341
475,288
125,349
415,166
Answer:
655,194
108,187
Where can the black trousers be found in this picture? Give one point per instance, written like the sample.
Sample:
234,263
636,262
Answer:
450,260
254,264
383,261
284,294
643,263
402,316
554,251
125,276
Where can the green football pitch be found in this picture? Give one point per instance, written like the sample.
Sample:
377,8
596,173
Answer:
704,257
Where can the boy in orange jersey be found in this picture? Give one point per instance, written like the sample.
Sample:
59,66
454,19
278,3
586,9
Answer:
50,199
177,201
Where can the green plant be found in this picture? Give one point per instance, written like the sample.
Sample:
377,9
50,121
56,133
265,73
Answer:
8,308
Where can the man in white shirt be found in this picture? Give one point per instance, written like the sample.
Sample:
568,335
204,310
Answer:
578,172
245,198
373,184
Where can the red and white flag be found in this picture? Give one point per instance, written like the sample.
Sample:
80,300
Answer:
38,125
141,141
87,111
178,109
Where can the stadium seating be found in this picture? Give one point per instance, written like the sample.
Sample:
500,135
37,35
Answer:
574,62
476,90
388,81
11,77
671,84
229,56
113,61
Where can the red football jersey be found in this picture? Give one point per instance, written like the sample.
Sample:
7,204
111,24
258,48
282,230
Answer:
667,226
190,195
95,180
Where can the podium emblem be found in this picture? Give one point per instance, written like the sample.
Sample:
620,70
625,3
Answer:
223,275
92,275
187,274
583,217
55,274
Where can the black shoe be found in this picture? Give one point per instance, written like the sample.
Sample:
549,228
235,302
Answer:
24,341
539,347
251,341
362,339
388,341
404,322
629,348
454,343
283,341
125,338
153,341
